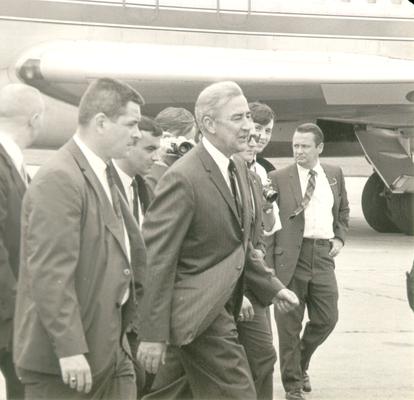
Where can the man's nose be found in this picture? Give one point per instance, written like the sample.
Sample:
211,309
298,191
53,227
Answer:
136,134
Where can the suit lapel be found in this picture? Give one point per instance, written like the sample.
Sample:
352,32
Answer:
333,182
294,183
110,219
17,178
118,182
217,177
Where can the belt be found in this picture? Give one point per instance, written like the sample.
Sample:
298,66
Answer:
316,241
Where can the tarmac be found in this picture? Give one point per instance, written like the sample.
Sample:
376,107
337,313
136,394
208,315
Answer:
370,354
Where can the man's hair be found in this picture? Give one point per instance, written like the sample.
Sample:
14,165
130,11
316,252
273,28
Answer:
108,96
176,120
18,101
261,113
213,97
309,127
148,124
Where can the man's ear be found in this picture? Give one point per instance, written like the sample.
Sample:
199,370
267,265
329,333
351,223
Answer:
100,120
320,148
209,124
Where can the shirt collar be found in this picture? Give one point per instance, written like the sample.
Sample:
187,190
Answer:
305,171
12,149
97,164
219,158
125,178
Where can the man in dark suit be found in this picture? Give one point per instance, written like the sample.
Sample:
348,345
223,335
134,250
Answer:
197,232
254,324
82,260
128,174
130,171
314,213
21,114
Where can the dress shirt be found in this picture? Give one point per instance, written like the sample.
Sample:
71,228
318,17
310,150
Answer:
219,158
99,168
127,184
318,213
256,167
261,172
14,152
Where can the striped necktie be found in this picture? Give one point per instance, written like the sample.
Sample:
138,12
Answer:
308,194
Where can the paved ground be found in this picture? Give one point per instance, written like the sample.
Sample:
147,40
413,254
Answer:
370,355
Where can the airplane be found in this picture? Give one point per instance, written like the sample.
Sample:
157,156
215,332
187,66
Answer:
346,65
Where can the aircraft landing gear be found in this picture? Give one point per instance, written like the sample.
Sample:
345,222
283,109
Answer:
401,208
385,211
374,205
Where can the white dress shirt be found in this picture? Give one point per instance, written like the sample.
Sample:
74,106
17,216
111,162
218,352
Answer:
261,172
15,153
219,158
318,213
99,168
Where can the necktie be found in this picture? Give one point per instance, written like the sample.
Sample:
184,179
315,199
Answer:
232,176
116,203
135,207
308,193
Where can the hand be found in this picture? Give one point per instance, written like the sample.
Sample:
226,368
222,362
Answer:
259,254
76,372
286,300
246,311
151,355
336,246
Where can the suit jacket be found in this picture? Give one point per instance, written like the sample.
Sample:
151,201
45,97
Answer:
266,164
261,283
74,268
154,175
12,189
191,226
289,239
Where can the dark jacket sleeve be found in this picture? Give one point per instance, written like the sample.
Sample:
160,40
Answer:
341,223
260,280
7,278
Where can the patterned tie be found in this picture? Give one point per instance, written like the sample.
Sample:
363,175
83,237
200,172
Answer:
135,197
232,176
308,194
116,203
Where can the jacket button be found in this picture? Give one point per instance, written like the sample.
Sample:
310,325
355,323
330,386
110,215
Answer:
127,272
239,267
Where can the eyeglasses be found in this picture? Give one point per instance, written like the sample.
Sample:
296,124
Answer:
253,136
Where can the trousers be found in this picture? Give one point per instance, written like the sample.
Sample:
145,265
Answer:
314,283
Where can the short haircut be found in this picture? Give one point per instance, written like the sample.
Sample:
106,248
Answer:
176,120
108,96
309,127
148,124
213,97
18,100
261,113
